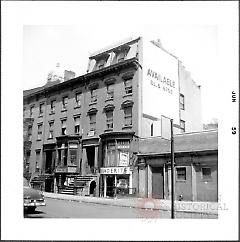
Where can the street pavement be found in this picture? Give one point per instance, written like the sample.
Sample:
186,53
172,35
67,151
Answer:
62,206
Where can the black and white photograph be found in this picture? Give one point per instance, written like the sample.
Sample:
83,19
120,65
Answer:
124,122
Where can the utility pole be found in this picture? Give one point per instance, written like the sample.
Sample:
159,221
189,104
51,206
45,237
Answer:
172,171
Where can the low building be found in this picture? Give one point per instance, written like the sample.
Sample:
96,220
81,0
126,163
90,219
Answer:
196,167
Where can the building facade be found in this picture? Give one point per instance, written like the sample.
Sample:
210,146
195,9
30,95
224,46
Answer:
86,130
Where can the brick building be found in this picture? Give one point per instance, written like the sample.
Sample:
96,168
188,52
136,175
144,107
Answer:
86,130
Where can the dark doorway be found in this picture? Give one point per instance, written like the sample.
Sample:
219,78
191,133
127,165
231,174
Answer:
48,167
92,188
49,185
90,155
157,182
110,186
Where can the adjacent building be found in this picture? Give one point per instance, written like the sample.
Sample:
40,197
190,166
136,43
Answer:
87,131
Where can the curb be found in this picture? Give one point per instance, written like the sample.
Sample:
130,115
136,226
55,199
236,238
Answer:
136,203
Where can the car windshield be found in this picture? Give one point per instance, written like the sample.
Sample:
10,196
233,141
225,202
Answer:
25,182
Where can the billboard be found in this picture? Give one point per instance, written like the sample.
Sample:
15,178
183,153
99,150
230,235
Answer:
160,83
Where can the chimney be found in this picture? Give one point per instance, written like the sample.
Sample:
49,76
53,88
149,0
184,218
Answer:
68,75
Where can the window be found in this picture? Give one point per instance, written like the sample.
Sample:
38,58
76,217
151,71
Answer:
128,116
30,132
24,112
101,64
51,130
152,129
110,91
65,155
93,95
41,109
181,173
73,156
128,86
37,168
78,99
92,118
206,173
64,127
181,100
31,111
121,56
39,134
64,102
53,103
77,125
109,115
182,126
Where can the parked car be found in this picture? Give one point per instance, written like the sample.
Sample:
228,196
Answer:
32,198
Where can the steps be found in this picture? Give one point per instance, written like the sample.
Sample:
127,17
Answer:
81,182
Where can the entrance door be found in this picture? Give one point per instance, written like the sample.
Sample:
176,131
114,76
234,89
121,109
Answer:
90,156
157,182
110,186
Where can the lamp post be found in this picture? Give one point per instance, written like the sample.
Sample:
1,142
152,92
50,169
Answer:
172,171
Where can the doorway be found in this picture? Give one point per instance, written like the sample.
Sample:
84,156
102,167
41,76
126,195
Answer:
157,182
48,164
90,150
110,186
92,190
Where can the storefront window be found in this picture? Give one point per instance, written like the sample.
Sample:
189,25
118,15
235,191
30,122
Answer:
116,153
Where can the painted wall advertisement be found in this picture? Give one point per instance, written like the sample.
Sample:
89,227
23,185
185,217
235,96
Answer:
160,83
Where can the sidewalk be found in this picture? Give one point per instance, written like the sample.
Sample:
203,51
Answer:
207,208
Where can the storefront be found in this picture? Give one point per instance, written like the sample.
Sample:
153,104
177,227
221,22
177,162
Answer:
116,169
116,181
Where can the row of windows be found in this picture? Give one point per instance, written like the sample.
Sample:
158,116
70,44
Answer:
78,98
181,173
92,121
120,57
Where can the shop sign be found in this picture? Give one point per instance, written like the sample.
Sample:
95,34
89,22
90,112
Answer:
124,159
61,169
72,169
115,170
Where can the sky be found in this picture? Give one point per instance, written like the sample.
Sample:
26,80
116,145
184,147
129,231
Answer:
70,45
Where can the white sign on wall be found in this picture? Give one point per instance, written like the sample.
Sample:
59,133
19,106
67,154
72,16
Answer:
124,159
115,170
160,83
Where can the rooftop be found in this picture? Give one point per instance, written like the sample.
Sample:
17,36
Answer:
188,142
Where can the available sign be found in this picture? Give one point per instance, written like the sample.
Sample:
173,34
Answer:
115,170
160,83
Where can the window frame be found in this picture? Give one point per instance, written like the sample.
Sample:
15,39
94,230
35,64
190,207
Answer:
76,125
64,102
206,178
63,128
92,123
41,105
78,100
39,131
177,175
128,88
182,101
109,120
110,91
183,129
51,130
93,95
128,116
52,107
